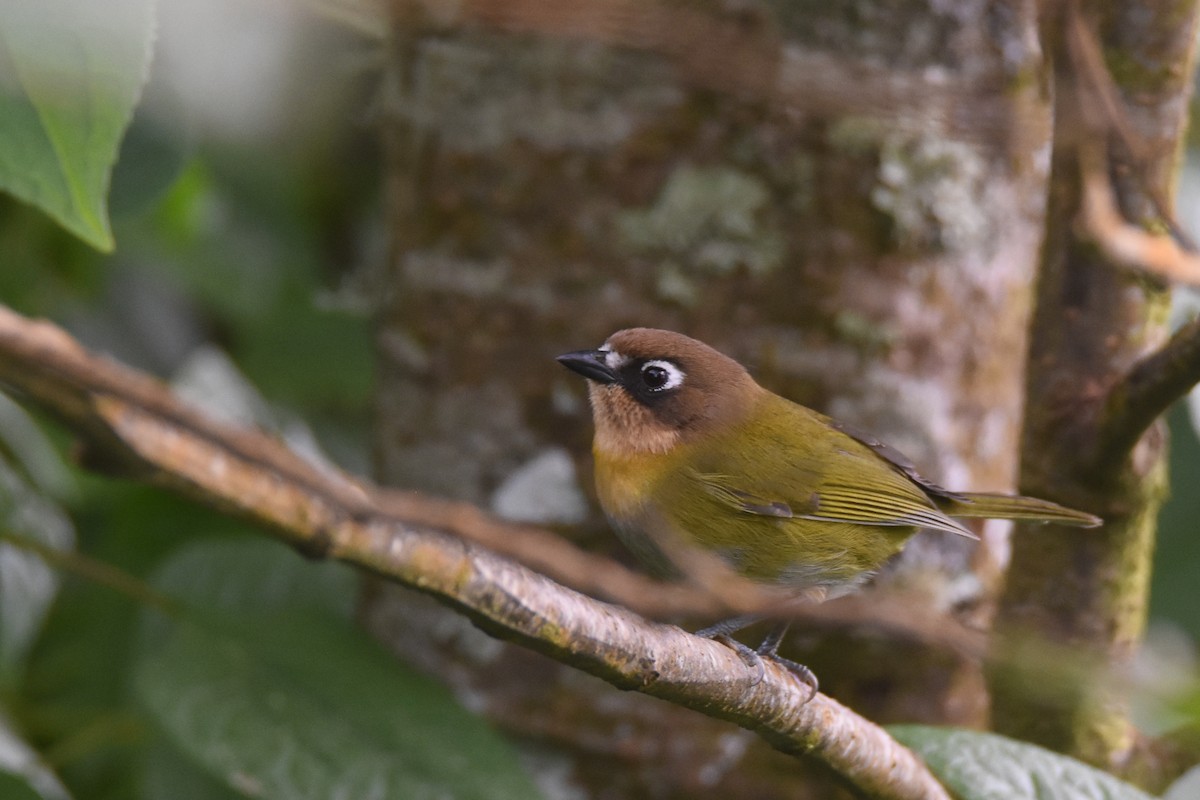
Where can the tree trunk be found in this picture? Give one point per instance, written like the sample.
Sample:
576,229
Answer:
847,198
1087,591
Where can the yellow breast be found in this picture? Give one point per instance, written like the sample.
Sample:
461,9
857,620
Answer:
625,483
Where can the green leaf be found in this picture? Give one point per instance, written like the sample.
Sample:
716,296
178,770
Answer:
986,766
71,72
263,682
30,474
14,787
22,773
298,706
168,774
250,574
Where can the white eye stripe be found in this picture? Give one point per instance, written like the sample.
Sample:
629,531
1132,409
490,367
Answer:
613,360
675,375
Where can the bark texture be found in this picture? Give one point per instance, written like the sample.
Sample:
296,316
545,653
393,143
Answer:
1094,322
846,198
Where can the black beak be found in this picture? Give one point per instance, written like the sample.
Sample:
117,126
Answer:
590,364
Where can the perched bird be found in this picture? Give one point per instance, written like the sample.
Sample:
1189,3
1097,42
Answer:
690,449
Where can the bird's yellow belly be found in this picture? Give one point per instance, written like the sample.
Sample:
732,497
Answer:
625,485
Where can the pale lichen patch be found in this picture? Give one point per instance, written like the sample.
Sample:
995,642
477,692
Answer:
710,220
931,189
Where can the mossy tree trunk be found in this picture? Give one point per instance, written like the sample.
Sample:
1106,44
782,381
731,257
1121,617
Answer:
1087,592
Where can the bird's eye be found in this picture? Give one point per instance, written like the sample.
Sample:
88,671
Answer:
659,376
655,377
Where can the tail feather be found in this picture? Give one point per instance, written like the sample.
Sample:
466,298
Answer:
1006,506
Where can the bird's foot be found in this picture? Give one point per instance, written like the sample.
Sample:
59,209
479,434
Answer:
723,632
770,649
806,675
753,658
747,654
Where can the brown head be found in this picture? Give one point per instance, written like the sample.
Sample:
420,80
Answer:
652,389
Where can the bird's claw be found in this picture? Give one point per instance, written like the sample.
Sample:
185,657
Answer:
806,675
753,658
748,655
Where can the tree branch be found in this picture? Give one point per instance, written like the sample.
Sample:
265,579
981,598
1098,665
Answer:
1102,113
88,392
1163,256
133,423
1146,392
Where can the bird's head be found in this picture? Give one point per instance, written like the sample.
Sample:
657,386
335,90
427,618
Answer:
653,389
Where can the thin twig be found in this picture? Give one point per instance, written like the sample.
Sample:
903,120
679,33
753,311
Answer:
1155,382
1101,106
141,427
1101,112
95,571
1123,243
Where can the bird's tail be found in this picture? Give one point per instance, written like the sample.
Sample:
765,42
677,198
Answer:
1007,506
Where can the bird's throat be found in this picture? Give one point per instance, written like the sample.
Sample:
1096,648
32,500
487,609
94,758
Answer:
626,427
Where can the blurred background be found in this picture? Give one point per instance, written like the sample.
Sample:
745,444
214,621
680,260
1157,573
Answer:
249,210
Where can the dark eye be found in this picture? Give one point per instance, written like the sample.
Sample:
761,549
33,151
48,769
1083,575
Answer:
655,377
661,375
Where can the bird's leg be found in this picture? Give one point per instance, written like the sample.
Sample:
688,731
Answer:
728,626
722,632
769,649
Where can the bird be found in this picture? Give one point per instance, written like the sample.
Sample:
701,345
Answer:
688,448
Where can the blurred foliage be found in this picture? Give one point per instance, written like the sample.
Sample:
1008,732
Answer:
232,253
1173,594
261,680
15,787
984,766
247,248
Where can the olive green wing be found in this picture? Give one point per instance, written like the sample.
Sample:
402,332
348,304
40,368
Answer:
843,476
894,457
885,505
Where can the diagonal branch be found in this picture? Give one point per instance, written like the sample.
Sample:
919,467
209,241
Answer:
276,487
136,425
1101,114
1159,379
1146,392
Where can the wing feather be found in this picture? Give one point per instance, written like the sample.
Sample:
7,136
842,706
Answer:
842,476
879,507
838,503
